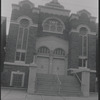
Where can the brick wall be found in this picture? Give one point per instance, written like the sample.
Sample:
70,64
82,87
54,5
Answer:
6,75
31,45
92,52
74,50
11,43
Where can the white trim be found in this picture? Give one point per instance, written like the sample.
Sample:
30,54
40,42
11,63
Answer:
54,18
80,69
20,50
77,31
20,62
52,32
27,44
18,73
83,57
16,22
16,63
24,17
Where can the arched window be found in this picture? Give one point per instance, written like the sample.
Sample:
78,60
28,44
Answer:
84,37
59,52
43,50
22,39
84,47
83,31
53,25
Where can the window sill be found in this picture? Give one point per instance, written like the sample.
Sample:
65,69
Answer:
53,32
20,62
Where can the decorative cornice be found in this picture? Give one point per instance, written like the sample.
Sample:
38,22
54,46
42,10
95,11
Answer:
55,11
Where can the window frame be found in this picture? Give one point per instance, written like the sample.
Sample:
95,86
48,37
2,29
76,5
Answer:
49,30
18,73
82,61
21,50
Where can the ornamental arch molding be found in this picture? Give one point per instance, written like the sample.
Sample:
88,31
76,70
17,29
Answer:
77,30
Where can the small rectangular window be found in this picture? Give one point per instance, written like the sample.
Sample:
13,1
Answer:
17,56
80,62
84,62
22,56
19,41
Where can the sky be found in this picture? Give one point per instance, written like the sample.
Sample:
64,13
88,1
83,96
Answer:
73,5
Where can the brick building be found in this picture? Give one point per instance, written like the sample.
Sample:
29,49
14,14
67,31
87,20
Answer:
51,37
2,42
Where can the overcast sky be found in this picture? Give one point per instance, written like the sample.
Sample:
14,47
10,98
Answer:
73,5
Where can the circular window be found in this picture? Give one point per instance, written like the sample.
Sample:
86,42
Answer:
24,22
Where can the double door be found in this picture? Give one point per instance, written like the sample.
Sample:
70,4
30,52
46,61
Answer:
51,65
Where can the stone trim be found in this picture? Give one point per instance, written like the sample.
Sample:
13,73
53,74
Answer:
54,11
77,30
49,27
17,21
16,63
54,18
52,32
18,73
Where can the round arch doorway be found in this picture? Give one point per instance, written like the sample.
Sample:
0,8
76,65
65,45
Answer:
51,58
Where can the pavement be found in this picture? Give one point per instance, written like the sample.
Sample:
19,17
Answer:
15,94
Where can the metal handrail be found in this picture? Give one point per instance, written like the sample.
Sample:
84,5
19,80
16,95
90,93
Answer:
58,79
78,78
59,82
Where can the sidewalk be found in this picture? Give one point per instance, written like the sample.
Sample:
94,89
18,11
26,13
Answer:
10,94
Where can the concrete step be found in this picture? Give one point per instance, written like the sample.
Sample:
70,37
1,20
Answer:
48,85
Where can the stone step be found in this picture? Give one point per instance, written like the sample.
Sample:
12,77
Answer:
51,93
48,85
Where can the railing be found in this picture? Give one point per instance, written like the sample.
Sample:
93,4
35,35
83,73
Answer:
76,76
59,85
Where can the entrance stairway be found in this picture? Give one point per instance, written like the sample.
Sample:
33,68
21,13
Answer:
47,84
